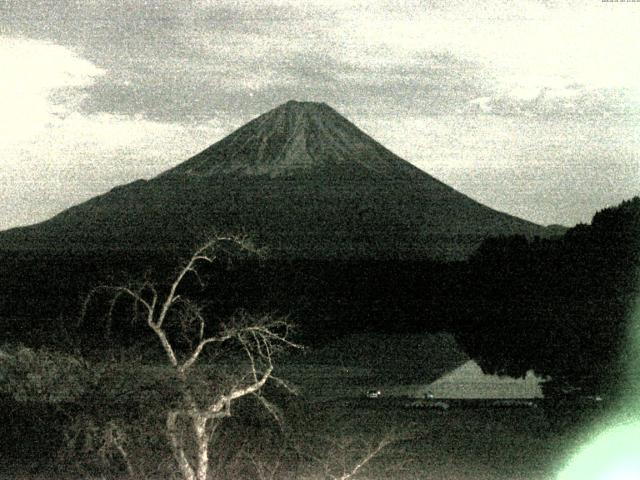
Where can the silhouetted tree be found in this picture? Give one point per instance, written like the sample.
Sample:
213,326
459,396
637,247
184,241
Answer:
558,306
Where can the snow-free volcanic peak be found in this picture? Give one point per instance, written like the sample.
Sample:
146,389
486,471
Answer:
295,138
300,180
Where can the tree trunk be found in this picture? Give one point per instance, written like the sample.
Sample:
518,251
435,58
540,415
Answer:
176,446
202,439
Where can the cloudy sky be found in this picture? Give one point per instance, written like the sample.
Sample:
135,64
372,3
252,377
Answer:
531,107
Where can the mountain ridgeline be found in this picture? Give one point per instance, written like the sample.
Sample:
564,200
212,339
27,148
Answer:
300,180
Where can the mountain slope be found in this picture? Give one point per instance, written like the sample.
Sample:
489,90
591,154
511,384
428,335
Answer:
299,179
297,139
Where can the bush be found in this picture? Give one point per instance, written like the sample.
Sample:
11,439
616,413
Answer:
40,375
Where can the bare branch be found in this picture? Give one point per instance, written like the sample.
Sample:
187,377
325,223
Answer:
191,321
366,459
137,298
262,330
171,296
252,361
355,469
166,345
202,257
265,470
260,337
225,400
114,437
292,389
150,307
198,350
118,292
270,407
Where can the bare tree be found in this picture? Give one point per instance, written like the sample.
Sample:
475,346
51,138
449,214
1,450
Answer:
190,426
345,457
348,472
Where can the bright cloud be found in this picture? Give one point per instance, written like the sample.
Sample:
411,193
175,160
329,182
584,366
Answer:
31,71
524,47
51,156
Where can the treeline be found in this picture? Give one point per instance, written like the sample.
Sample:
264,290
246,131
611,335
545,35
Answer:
325,298
558,305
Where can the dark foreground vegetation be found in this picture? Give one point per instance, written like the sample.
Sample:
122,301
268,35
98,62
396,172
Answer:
315,441
561,307
85,385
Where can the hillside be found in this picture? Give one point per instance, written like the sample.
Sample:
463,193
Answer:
300,179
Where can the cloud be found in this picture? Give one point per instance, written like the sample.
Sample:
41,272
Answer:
31,71
523,50
570,101
51,155
171,63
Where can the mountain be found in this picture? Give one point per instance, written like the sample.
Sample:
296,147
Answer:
300,179
294,140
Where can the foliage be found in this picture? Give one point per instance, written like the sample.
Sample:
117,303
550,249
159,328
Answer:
41,375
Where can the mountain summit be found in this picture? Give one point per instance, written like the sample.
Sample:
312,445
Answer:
296,138
301,180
